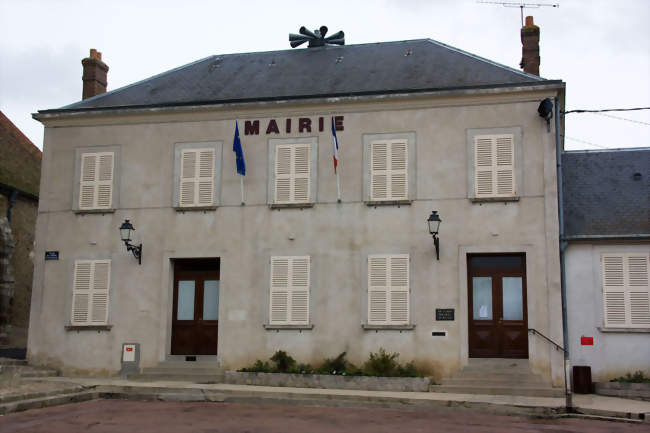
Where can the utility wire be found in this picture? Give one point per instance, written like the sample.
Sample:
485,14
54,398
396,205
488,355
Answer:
605,110
622,118
585,142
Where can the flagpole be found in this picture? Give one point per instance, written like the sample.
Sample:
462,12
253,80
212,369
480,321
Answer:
241,185
338,187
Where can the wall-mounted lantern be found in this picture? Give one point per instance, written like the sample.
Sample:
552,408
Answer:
545,111
433,223
125,233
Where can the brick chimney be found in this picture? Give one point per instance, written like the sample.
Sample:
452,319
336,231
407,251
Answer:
94,76
530,47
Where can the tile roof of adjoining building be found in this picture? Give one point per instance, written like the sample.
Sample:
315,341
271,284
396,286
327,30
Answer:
330,71
20,163
606,193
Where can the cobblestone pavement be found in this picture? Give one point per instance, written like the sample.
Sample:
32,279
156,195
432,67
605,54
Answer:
167,417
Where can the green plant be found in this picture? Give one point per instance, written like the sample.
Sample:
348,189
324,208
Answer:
258,367
336,365
381,363
408,370
636,377
283,361
303,369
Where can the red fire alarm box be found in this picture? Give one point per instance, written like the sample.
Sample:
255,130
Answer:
587,341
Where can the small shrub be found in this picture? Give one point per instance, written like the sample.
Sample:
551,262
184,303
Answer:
336,365
303,369
258,367
283,361
636,377
381,364
407,370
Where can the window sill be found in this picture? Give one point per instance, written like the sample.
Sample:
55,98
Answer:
397,203
625,330
278,328
97,328
399,328
195,209
93,211
493,199
290,205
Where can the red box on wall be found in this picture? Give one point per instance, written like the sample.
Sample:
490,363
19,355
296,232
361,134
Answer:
587,341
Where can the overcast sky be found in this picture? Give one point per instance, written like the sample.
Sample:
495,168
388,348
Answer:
601,49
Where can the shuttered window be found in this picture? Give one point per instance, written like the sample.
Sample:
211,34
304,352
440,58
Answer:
96,181
292,173
197,178
494,165
389,170
388,290
626,293
289,298
90,292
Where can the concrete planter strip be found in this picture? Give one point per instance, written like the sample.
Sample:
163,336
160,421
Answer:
637,391
408,384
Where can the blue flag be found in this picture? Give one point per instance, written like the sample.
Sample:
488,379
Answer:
239,153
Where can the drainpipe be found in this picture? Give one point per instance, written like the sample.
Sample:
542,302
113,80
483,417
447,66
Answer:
563,245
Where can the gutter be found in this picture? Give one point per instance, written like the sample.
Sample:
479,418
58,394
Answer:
306,99
13,193
625,237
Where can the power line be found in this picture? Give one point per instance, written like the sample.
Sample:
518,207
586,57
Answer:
622,118
585,142
605,110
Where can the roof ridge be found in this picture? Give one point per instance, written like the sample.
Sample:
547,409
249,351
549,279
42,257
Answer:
492,62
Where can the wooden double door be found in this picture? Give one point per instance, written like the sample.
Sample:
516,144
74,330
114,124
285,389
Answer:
498,317
195,321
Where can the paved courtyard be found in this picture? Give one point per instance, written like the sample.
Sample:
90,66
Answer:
167,417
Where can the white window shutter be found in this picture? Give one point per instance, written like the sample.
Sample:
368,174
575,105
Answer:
626,290
96,180
205,178
196,184
399,290
299,312
292,173
90,292
379,170
99,299
639,290
398,170
81,292
289,297
301,173
494,165
388,290
614,290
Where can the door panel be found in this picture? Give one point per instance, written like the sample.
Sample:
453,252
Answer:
195,316
497,304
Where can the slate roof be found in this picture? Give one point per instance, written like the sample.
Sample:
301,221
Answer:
20,160
603,195
365,69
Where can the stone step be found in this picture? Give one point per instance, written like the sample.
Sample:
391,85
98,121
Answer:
28,371
184,377
512,389
526,381
510,377
182,370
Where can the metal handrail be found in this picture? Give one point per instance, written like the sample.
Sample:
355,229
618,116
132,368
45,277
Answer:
557,346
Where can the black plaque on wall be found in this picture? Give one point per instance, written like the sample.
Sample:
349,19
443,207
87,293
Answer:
51,255
443,314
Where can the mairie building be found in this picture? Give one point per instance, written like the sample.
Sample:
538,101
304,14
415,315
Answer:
292,255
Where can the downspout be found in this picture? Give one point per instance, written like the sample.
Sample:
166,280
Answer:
563,245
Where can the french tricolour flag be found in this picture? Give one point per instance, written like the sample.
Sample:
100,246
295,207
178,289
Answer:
335,144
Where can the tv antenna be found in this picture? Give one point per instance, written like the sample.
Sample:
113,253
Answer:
521,5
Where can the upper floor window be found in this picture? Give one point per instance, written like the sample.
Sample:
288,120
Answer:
293,172
197,169
389,161
495,161
96,180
